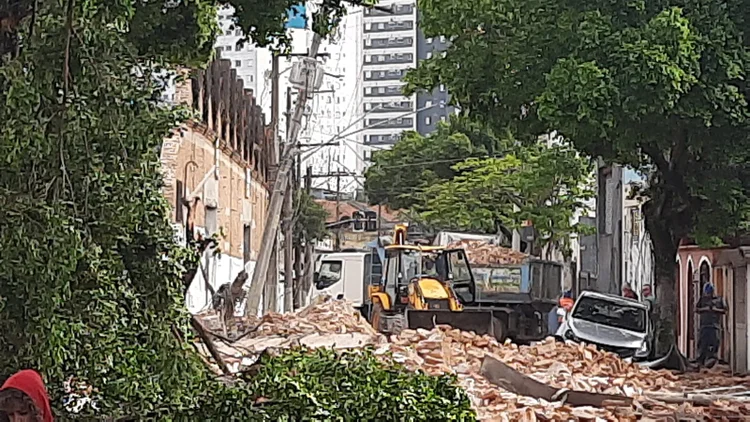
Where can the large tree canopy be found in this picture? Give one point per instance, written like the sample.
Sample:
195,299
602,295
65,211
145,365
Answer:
91,292
464,177
658,85
542,184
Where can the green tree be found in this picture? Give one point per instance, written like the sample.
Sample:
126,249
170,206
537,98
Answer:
92,283
659,86
396,176
309,219
539,183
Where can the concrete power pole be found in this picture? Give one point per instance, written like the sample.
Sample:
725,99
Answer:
273,214
309,246
288,226
270,292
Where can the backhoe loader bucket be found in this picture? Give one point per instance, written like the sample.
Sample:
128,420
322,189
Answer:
477,320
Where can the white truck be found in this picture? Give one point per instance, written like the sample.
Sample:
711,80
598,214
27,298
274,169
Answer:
346,275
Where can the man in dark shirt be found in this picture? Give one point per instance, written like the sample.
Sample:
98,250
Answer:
711,309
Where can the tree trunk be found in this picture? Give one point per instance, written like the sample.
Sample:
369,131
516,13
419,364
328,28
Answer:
665,234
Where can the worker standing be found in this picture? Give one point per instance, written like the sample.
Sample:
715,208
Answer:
711,309
566,301
628,292
557,314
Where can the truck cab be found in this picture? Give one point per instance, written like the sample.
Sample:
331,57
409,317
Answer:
346,275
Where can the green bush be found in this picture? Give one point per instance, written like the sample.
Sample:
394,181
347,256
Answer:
323,385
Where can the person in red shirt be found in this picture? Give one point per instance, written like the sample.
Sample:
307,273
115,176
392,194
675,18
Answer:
23,398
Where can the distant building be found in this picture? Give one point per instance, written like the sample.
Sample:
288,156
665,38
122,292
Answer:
358,223
638,253
393,44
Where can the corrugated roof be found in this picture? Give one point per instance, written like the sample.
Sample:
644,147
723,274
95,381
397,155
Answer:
347,208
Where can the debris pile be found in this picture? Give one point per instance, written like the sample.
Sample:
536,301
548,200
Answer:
565,367
483,253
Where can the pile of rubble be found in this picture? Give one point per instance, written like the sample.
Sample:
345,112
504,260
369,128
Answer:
483,253
654,395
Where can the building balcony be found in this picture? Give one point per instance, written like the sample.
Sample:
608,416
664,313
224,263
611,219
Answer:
397,123
396,10
382,139
384,43
385,75
388,107
383,91
379,59
381,27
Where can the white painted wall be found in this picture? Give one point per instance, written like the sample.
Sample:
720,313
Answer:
637,260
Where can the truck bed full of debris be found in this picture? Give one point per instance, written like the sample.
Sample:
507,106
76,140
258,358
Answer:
565,367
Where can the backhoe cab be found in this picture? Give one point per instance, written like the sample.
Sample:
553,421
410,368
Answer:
425,286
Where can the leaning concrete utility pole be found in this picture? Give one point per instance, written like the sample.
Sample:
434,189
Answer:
273,214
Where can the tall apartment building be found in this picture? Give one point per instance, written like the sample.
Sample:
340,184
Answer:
245,58
332,110
393,44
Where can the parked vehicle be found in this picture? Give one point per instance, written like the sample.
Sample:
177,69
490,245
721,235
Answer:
347,275
611,323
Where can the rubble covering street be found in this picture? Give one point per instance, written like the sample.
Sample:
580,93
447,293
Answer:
575,367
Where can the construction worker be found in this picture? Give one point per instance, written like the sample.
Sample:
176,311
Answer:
557,314
566,301
628,292
711,309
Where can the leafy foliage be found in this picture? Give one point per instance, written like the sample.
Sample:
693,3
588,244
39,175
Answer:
309,219
659,86
92,287
396,176
542,184
323,385
464,177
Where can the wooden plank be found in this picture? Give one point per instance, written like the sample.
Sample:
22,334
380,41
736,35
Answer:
214,120
208,342
502,375
230,100
197,87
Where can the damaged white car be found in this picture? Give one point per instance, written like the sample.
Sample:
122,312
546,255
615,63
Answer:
611,323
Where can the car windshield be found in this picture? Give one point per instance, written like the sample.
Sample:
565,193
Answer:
602,311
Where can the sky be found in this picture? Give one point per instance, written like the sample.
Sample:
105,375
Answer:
629,175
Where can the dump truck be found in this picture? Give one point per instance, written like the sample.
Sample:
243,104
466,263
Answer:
518,289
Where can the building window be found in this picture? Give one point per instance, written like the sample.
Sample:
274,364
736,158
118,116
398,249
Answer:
429,54
368,74
228,48
428,120
238,63
381,25
442,88
428,103
247,236
249,62
442,38
368,59
368,26
444,53
252,78
442,118
429,40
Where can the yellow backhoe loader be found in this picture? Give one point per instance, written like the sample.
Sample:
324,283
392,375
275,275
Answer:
424,286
